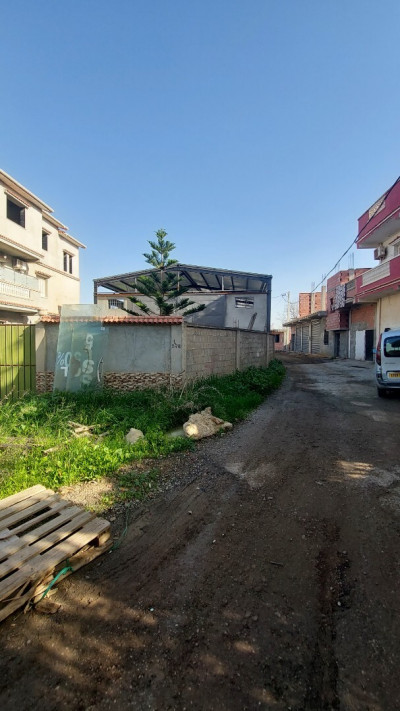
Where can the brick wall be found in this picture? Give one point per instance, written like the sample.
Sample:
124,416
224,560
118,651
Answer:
125,382
363,316
309,303
337,320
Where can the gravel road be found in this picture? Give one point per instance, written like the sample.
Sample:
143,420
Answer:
266,577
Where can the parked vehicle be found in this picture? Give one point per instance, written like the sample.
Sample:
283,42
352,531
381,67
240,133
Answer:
387,362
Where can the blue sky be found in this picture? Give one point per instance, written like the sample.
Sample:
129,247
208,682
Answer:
255,132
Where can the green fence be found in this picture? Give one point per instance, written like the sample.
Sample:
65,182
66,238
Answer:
17,360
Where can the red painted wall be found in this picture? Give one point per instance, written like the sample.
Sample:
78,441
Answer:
392,202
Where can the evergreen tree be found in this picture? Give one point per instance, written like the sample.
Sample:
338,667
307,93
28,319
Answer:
162,287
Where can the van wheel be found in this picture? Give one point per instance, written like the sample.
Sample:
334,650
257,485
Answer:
381,392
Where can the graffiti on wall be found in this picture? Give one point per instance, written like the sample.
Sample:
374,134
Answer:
80,355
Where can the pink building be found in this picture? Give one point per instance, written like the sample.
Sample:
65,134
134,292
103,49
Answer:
379,229
345,325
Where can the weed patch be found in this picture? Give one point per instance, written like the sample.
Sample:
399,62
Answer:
37,445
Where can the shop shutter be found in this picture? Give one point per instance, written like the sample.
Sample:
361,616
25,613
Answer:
316,336
305,338
297,343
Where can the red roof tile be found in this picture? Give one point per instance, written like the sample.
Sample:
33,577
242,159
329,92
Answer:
146,320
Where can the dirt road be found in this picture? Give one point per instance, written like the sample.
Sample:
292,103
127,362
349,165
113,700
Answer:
267,578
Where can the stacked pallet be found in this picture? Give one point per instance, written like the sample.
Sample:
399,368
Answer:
41,537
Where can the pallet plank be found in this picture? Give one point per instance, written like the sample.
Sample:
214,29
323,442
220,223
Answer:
30,551
23,505
11,545
28,539
43,565
40,534
55,508
25,494
9,521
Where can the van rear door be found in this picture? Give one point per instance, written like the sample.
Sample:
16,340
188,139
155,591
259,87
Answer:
390,355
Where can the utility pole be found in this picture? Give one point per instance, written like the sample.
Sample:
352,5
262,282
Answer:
288,330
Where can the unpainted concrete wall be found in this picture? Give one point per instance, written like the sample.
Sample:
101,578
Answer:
212,351
141,356
362,318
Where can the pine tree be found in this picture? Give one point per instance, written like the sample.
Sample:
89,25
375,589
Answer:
162,287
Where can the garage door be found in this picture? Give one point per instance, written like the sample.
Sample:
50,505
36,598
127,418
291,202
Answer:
315,336
305,336
297,343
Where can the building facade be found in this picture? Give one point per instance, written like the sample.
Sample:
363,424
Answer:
351,333
39,260
231,299
379,229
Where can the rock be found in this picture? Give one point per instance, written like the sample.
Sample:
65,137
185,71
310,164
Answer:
134,435
204,424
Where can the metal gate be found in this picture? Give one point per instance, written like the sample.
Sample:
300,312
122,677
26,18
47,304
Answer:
305,339
316,336
17,360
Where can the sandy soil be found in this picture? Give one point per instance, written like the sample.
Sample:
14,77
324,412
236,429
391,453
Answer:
266,577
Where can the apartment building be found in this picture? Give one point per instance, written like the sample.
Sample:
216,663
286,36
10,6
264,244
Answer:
379,229
39,260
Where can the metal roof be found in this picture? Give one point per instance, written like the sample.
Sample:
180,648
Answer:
198,278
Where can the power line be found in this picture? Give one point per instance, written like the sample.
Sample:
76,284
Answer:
356,238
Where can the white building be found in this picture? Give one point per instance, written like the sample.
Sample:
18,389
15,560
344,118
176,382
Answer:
39,260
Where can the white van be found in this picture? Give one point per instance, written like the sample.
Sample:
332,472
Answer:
387,362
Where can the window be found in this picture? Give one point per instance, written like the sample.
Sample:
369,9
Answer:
276,337
67,263
392,346
42,286
115,304
45,240
326,338
241,303
15,212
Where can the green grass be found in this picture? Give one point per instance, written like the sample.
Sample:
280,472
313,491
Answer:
31,426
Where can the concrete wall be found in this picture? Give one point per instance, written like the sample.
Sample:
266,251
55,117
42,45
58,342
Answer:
221,351
239,317
388,313
141,356
135,348
222,310
362,318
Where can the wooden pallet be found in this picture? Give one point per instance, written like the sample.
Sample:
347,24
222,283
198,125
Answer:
40,535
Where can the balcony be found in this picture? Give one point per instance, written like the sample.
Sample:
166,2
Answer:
383,280
17,285
380,221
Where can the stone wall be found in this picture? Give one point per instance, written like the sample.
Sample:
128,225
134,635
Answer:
125,382
44,382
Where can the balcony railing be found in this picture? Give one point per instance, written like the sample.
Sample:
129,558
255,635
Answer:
385,278
13,283
379,272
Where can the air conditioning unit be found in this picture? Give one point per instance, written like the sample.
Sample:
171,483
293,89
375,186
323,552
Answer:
19,265
380,252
